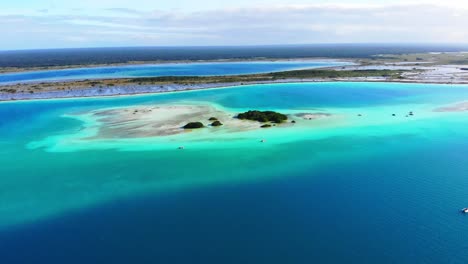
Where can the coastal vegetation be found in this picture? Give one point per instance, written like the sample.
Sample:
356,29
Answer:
193,125
216,123
430,58
263,116
46,59
188,81
296,74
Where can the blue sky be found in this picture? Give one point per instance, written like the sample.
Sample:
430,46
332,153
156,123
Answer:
27,24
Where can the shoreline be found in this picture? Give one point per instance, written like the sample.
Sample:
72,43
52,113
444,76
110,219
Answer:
357,71
141,90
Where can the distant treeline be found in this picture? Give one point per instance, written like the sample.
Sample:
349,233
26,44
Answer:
200,80
66,57
303,74
297,74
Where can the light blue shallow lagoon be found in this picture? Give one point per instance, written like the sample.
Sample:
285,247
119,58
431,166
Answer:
368,184
167,69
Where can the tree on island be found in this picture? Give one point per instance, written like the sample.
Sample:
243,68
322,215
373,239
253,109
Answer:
193,125
213,119
263,116
216,123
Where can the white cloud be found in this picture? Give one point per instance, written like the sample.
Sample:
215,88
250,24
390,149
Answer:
279,24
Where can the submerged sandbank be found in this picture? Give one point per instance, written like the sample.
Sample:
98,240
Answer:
160,126
458,107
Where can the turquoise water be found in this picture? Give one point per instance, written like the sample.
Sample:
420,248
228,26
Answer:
374,188
169,69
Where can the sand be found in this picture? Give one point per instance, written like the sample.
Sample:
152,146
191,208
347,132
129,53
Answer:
312,116
166,120
162,120
458,107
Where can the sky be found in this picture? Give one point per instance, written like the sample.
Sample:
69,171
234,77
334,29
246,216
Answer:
38,24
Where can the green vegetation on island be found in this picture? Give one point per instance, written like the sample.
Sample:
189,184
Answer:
263,116
273,76
213,119
265,126
193,125
305,74
216,123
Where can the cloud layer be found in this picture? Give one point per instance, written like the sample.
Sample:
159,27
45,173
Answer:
428,23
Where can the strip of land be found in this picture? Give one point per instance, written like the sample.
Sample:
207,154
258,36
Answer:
86,88
411,68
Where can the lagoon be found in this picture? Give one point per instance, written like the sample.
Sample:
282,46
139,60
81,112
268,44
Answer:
166,69
361,187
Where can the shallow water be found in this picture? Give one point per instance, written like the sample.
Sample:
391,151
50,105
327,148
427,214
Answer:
369,189
169,69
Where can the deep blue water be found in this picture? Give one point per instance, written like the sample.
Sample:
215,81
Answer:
179,69
393,208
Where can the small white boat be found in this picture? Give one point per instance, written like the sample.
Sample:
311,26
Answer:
263,140
464,210
181,147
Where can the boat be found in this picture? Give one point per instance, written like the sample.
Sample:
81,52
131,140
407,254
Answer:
464,210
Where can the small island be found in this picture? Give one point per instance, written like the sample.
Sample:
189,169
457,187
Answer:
193,125
162,120
216,123
263,116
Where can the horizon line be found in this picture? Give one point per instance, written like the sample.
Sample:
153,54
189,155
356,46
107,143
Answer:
248,46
